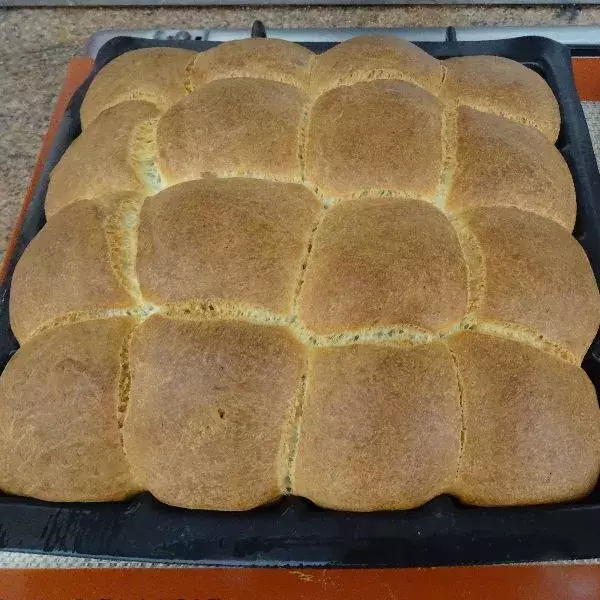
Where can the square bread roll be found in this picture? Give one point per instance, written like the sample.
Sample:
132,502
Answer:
154,75
231,128
383,134
347,276
380,262
381,427
255,231
73,269
501,163
61,413
535,276
106,159
211,406
531,424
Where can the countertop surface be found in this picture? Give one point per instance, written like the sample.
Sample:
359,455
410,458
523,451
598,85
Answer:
38,43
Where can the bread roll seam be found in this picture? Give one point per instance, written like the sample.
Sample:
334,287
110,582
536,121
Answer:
520,120
292,443
463,430
526,336
474,263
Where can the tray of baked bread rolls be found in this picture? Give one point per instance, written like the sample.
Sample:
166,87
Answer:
321,304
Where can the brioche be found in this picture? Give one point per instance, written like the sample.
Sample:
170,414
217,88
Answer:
347,276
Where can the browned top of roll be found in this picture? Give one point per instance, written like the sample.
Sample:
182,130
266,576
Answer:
218,442
59,428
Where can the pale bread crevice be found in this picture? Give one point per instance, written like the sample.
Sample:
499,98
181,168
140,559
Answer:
187,72
398,334
124,392
461,404
244,174
491,110
475,264
143,154
239,74
527,336
121,231
220,310
328,201
124,380
526,209
444,75
449,153
303,128
305,259
374,75
81,316
291,441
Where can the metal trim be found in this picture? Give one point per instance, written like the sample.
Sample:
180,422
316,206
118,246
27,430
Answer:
573,35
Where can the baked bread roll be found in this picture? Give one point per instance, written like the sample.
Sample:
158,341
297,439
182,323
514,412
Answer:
61,413
347,276
531,424
381,426
220,440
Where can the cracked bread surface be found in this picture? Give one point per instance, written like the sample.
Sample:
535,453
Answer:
344,276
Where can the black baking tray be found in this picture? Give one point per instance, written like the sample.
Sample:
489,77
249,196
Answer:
294,532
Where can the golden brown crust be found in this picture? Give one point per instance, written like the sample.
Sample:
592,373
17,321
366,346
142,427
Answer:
380,134
100,161
383,261
505,88
258,58
59,432
380,427
241,240
233,127
65,268
532,425
368,57
210,406
155,75
500,163
536,276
